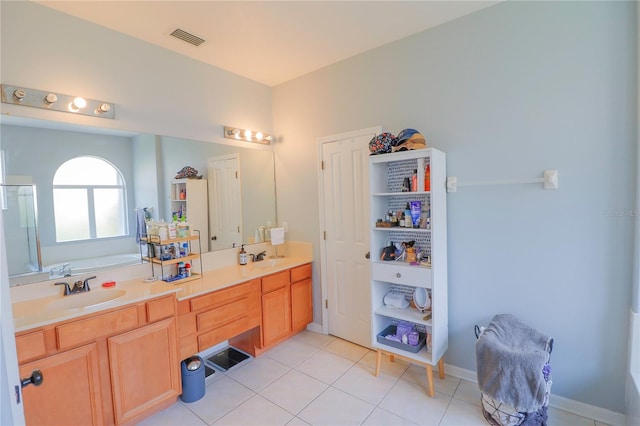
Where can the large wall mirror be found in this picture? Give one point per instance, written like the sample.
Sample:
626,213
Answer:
34,150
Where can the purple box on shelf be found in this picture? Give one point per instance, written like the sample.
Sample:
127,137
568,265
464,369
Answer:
399,345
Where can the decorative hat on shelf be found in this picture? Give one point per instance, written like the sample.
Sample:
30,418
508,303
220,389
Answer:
382,143
409,139
188,172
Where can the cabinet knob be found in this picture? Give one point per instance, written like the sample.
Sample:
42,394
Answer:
35,379
398,275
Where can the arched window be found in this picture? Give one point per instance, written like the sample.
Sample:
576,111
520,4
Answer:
89,200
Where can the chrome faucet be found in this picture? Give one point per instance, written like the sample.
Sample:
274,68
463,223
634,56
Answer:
62,271
260,256
78,287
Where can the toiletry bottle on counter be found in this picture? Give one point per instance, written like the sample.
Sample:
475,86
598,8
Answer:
242,256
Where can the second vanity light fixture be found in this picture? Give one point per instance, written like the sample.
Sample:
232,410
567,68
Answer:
246,135
58,102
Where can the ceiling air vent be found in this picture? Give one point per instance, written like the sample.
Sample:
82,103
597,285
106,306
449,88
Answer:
189,38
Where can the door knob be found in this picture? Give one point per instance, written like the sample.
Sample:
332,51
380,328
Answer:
35,379
368,255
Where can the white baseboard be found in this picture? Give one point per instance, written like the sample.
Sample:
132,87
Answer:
555,401
315,327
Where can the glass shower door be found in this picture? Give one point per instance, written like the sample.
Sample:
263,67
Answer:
20,217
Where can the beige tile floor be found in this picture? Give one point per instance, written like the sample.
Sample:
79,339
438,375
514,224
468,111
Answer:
313,379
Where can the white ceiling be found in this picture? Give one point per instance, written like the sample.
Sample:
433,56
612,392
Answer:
270,41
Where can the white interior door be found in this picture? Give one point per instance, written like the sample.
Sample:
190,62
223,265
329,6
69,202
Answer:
346,272
225,205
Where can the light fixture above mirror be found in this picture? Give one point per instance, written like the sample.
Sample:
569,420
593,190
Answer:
56,101
246,135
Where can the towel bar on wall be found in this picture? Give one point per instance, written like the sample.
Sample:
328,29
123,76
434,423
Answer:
549,181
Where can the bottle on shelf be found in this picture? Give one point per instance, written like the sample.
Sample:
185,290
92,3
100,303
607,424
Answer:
427,178
414,180
183,228
183,194
407,217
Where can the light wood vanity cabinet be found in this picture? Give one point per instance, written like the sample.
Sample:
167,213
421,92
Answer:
207,320
276,308
301,298
286,304
71,392
114,367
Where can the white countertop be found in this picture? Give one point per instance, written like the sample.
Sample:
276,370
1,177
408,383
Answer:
44,304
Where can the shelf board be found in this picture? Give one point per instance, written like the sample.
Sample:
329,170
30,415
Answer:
194,276
400,228
393,194
408,314
157,240
172,261
422,356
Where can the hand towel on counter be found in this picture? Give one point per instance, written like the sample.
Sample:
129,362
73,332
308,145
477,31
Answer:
277,236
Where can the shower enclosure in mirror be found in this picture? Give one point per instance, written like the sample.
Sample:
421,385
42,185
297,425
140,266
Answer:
20,217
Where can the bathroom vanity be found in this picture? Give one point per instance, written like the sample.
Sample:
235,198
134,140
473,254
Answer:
118,361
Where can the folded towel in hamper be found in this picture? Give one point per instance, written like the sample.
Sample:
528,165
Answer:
510,357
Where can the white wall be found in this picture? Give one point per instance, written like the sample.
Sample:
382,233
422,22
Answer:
155,90
507,92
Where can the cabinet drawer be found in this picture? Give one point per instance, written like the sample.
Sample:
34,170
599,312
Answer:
222,297
87,330
160,309
402,274
275,281
300,273
249,305
226,332
30,346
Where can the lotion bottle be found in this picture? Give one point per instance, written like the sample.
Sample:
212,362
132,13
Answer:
242,257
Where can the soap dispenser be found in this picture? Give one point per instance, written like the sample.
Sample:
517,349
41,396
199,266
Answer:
242,257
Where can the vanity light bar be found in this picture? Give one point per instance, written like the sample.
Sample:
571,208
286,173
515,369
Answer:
246,135
55,101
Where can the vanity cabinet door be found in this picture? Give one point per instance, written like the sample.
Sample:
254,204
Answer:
70,393
301,305
145,371
276,315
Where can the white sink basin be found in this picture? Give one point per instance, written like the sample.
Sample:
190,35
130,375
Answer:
268,263
84,300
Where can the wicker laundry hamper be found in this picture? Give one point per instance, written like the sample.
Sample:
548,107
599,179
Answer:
502,405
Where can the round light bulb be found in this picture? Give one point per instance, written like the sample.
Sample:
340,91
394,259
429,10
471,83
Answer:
259,136
247,134
51,98
104,108
79,102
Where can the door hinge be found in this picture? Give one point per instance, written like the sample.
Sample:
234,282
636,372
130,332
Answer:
236,174
17,388
322,165
324,235
326,303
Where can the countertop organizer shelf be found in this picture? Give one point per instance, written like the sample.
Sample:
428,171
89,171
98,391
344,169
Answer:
387,175
192,255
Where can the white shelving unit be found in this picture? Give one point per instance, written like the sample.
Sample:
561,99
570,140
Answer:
195,203
387,172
